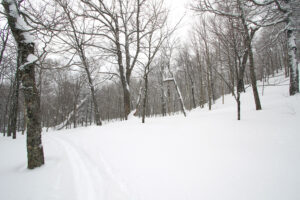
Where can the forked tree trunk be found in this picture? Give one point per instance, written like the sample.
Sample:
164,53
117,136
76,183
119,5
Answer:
26,48
247,41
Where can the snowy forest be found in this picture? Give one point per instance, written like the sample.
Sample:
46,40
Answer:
73,67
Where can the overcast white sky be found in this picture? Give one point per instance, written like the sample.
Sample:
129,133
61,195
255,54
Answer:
180,8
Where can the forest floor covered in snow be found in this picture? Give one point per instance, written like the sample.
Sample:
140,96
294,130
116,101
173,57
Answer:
207,155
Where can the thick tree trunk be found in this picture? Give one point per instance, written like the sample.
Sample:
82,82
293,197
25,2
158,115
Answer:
26,47
292,64
126,99
139,99
123,77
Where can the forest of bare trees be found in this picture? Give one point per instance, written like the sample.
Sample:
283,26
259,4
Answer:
70,63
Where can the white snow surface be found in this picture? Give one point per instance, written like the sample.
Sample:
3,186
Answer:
208,155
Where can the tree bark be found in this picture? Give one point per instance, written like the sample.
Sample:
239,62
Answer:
202,101
26,48
12,125
253,79
145,97
292,64
248,38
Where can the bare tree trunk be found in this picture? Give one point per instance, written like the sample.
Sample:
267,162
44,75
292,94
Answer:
6,110
193,95
248,38
182,107
169,98
145,96
80,48
202,101
26,48
74,115
238,106
208,90
162,94
24,120
292,64
253,79
139,99
12,125
96,108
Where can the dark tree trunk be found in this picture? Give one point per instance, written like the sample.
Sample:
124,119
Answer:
193,96
249,34
12,126
208,90
93,93
145,98
126,99
202,101
123,77
169,98
26,47
7,113
253,79
292,63
162,95
24,120
74,115
238,106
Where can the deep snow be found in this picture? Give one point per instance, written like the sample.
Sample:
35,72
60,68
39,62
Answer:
208,155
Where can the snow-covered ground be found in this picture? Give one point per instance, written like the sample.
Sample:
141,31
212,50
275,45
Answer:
208,155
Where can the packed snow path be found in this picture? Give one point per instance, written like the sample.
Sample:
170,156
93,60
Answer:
207,155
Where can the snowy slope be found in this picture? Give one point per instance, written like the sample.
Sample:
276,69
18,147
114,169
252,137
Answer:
208,155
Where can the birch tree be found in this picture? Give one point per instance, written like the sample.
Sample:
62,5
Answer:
287,12
27,63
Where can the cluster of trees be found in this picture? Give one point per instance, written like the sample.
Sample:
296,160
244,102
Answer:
97,61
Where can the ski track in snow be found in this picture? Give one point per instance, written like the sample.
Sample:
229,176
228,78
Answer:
90,172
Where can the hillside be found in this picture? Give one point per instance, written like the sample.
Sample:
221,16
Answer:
207,155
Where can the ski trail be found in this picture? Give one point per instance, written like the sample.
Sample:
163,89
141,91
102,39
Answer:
93,177
83,181
113,181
